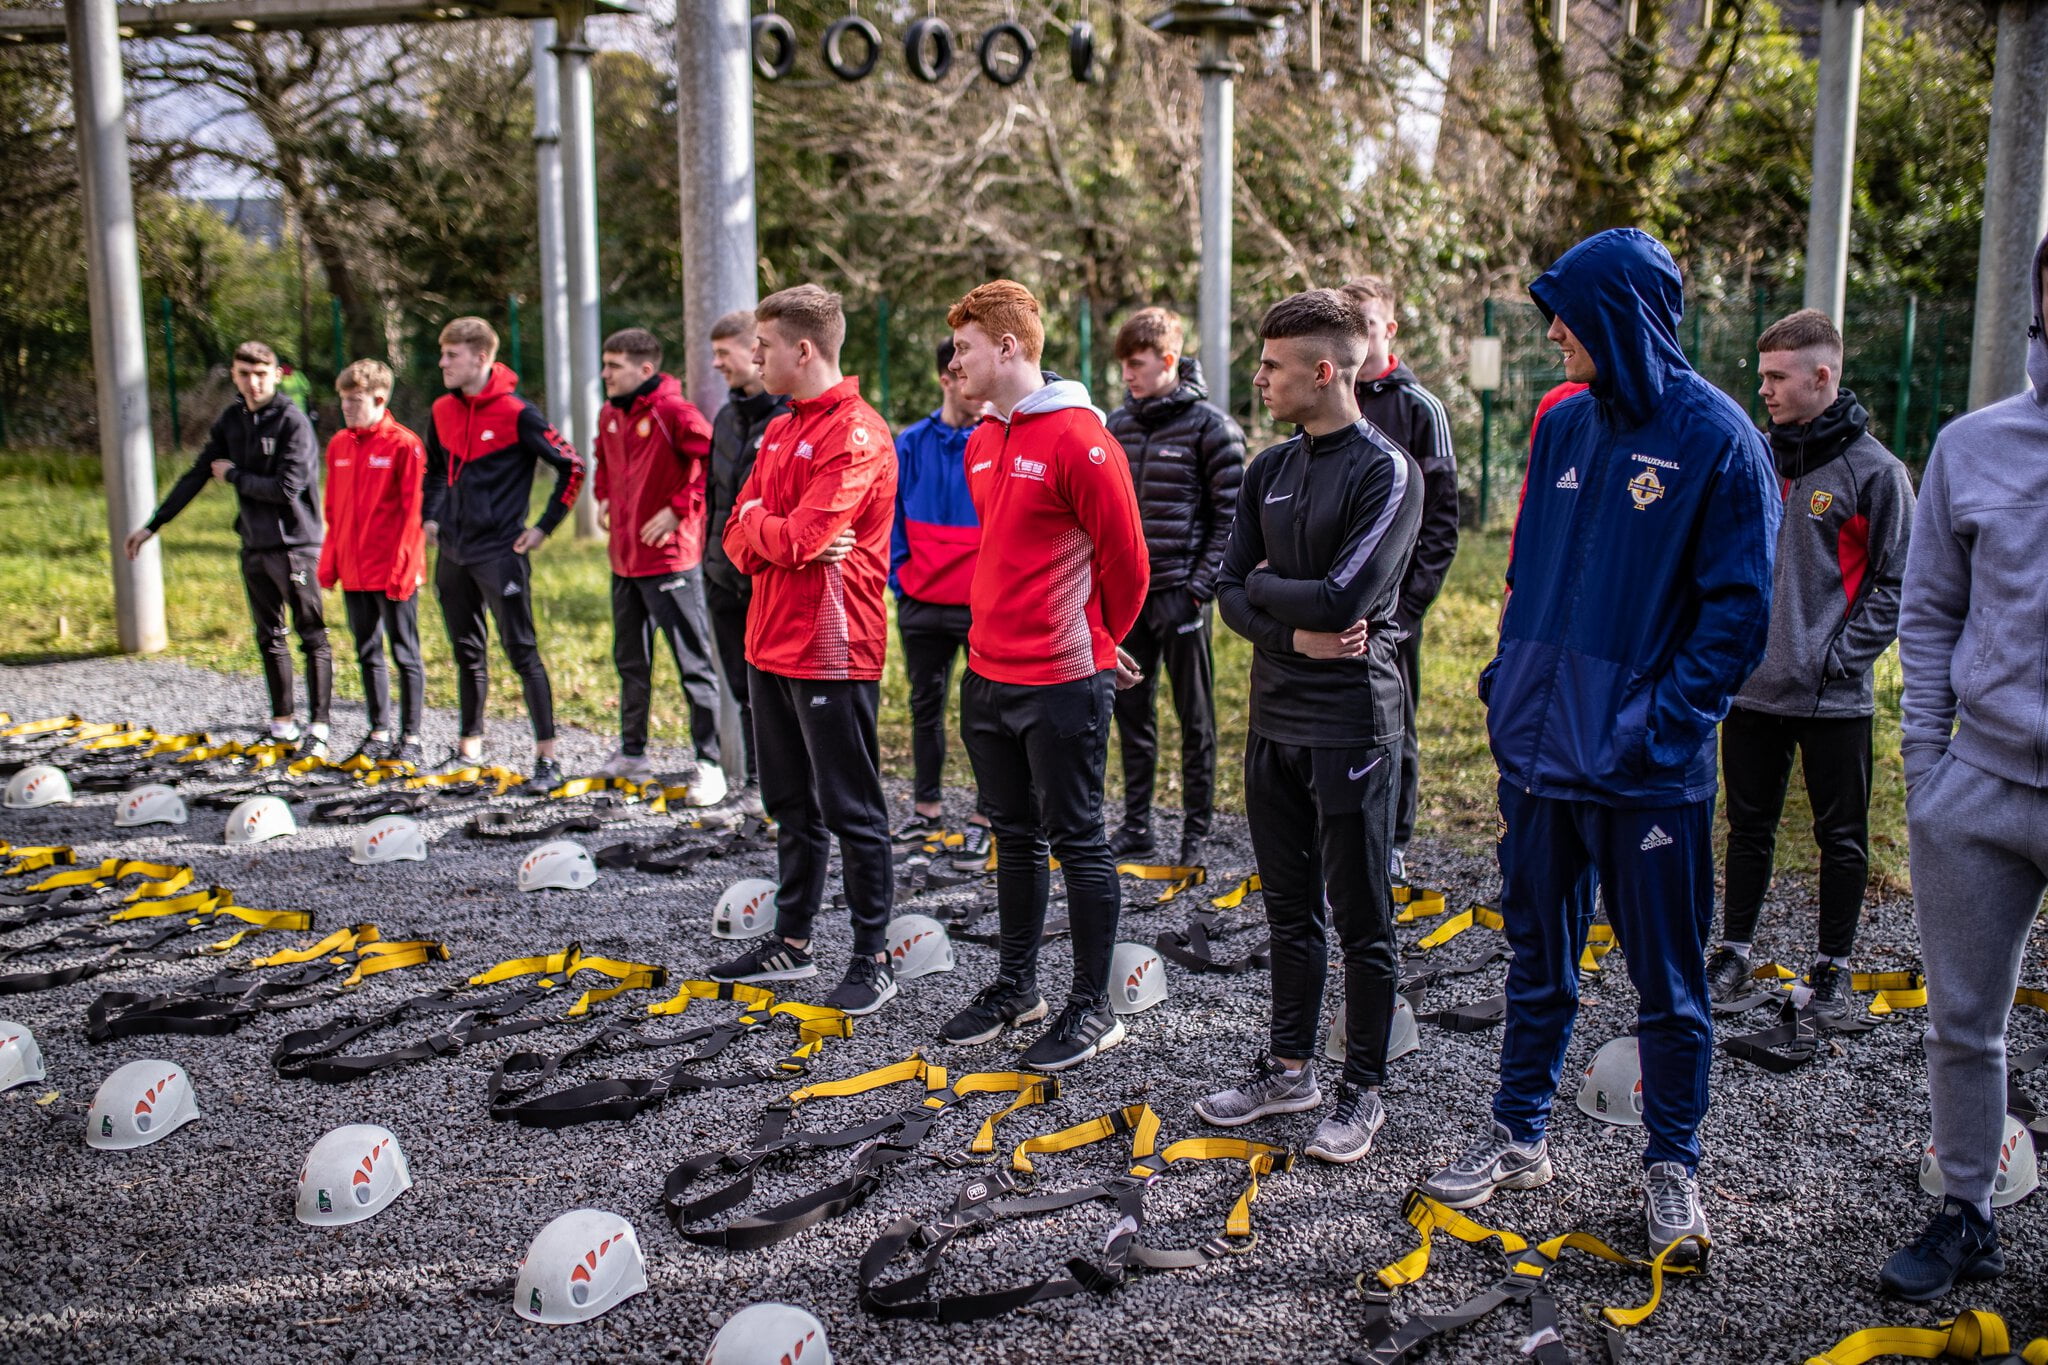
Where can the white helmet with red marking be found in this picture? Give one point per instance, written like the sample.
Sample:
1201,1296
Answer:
918,946
21,1061
141,1103
746,910
151,804
260,818
1612,1090
39,784
1137,978
2019,1171
389,839
351,1174
770,1334
580,1265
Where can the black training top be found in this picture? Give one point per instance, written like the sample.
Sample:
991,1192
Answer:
275,474
1333,520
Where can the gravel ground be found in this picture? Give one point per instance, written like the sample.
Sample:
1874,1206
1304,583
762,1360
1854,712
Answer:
188,1248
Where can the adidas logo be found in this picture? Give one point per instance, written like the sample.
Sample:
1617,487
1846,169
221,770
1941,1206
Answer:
1570,479
511,590
1656,838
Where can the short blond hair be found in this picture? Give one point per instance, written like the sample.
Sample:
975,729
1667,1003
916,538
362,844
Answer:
365,376
807,312
1151,329
738,323
1366,289
1002,308
471,332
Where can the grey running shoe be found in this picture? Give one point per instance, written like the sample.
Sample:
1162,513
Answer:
1268,1090
632,767
770,960
1082,1030
1829,1001
1727,975
546,776
868,986
1347,1134
999,1005
1671,1207
1494,1161
311,746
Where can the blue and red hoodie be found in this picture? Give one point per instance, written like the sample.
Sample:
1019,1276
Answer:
932,546
480,456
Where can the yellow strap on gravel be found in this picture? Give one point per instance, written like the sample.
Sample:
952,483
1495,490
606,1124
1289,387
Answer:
48,725
1136,1119
1418,902
206,753
102,870
122,739
1234,897
1457,924
35,857
207,901
1973,1335
1659,1266
1600,941
169,881
1179,879
1430,1217
373,958
814,1025
1895,990
258,922
1260,1158
349,940
753,998
177,744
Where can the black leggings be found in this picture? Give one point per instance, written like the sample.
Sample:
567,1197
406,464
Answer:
1756,763
471,594
672,607
1173,631
288,581
932,634
729,628
372,619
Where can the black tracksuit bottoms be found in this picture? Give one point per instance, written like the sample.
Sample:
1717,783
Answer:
374,618
1408,658
1038,754
281,583
473,594
820,777
1756,766
672,606
729,629
1172,630
933,633
1322,821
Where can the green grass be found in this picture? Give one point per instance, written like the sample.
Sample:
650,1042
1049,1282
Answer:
55,601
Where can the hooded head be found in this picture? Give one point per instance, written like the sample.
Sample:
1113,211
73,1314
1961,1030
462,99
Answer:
2037,335
1619,291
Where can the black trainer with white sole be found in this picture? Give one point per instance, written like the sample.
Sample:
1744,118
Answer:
999,1005
868,986
1083,1030
770,960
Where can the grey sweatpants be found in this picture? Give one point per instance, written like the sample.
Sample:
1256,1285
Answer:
1980,865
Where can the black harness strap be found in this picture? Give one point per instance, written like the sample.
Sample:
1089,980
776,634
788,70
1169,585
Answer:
315,1054
218,1005
1194,947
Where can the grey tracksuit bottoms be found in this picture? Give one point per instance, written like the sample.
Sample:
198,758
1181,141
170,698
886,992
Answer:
1980,865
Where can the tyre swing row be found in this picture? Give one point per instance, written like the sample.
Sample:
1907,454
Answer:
851,48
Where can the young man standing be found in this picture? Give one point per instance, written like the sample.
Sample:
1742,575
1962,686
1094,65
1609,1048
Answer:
482,446
653,450
1059,579
812,528
1394,400
262,447
1325,526
735,440
1639,600
376,553
1186,458
931,567
1834,609
1971,640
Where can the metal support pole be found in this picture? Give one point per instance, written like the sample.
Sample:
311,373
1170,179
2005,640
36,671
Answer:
1087,334
1908,323
513,340
1219,158
1486,435
171,370
554,257
1492,26
715,144
1834,156
114,287
2015,202
579,212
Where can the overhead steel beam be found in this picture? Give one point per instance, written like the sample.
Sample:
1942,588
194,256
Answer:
222,18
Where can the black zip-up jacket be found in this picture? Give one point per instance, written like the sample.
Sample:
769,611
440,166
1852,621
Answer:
1187,458
1333,520
1414,419
735,441
481,453
276,475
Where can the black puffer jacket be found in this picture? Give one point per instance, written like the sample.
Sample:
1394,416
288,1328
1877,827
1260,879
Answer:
1414,419
735,440
1187,459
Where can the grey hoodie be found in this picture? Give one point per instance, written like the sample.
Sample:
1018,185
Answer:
1973,628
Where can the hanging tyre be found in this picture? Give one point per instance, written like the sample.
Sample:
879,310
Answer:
852,30
1006,52
774,46
1081,52
928,49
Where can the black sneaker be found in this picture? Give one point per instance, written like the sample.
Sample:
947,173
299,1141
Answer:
546,776
868,986
771,959
1829,1001
919,829
1193,848
454,761
1959,1244
371,750
972,855
311,746
1133,841
1727,975
408,751
999,1005
1083,1029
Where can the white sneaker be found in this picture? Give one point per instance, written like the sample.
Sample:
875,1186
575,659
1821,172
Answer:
709,787
633,767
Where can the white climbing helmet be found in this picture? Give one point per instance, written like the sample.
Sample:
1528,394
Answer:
260,818
152,804
746,910
21,1061
2019,1172
559,864
918,946
1403,1037
1137,978
39,784
770,1334
352,1173
389,839
141,1103
580,1265
1612,1090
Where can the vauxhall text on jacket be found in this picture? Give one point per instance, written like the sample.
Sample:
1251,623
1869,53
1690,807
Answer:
275,474
1412,418
1062,572
480,457
1841,557
1640,584
736,434
931,549
375,542
825,465
1187,458
653,451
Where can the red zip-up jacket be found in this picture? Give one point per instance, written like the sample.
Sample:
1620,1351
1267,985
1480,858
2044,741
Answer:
826,464
653,449
1063,568
374,539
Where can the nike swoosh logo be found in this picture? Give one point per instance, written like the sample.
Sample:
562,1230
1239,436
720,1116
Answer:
1357,773
1281,498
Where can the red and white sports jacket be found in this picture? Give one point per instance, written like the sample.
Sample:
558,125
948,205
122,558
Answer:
372,502
653,448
